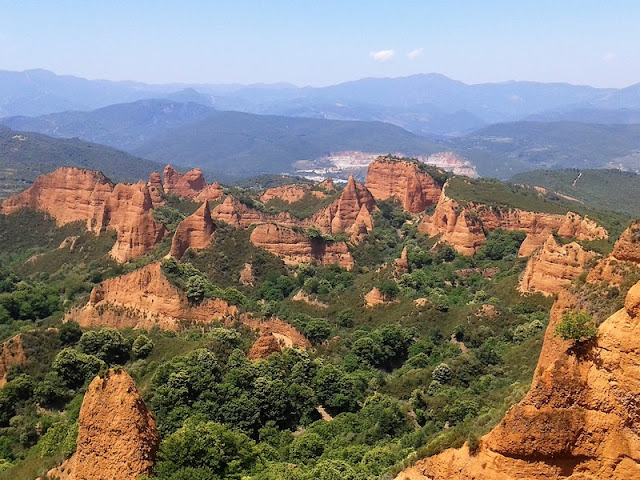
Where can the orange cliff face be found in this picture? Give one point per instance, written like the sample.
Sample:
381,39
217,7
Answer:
579,420
404,180
144,298
11,353
74,194
464,227
553,267
117,436
128,212
195,231
343,213
296,248
155,189
187,185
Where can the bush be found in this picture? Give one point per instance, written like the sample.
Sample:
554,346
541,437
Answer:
442,373
76,368
142,346
70,332
577,326
107,344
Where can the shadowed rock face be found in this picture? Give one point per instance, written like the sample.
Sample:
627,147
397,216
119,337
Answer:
195,231
117,436
403,180
264,346
624,260
580,419
295,248
554,266
74,194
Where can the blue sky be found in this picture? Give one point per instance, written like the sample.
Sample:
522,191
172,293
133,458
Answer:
324,42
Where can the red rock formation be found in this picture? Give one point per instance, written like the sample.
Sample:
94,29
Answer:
374,297
285,333
128,212
579,420
236,213
144,298
264,346
68,195
553,267
362,225
624,260
73,194
195,231
342,214
210,193
295,248
464,228
155,189
246,275
11,353
187,185
407,181
117,436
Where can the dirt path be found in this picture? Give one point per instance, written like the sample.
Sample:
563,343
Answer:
460,344
323,413
577,178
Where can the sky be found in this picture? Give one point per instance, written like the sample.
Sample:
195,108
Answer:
325,42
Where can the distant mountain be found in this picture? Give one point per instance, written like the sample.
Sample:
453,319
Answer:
558,144
37,92
589,115
430,104
241,144
25,155
598,189
124,126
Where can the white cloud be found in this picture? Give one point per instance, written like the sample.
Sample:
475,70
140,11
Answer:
413,54
382,55
608,57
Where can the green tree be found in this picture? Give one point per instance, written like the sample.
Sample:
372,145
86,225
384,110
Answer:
76,368
70,332
442,373
142,346
577,326
107,344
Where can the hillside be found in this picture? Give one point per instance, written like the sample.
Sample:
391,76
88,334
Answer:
125,126
608,189
25,155
559,144
240,144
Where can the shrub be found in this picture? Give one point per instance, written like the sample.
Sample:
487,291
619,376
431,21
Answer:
70,332
107,344
142,346
442,373
577,326
76,368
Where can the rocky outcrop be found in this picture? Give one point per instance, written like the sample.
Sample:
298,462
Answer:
210,193
362,225
285,333
342,214
374,297
67,194
456,226
291,193
155,189
187,185
195,231
236,213
144,298
464,227
301,296
264,346
117,436
11,353
74,194
246,275
553,267
579,420
407,181
128,212
401,265
296,248
623,262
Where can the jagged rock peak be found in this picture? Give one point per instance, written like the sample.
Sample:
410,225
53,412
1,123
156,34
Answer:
187,185
195,231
